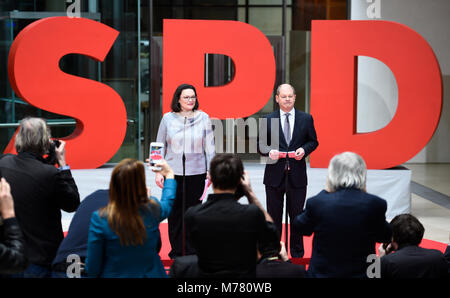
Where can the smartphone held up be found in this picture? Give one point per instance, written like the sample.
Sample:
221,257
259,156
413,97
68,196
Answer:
156,155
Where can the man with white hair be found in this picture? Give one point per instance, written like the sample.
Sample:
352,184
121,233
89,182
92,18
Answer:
345,219
40,192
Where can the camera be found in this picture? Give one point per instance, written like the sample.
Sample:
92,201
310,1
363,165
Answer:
239,193
51,157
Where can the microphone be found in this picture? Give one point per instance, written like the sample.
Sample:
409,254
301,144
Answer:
183,201
184,143
184,140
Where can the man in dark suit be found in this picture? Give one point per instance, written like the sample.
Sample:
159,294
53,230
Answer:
345,219
409,260
224,232
297,135
40,192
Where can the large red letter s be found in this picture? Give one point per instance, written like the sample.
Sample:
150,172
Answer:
185,44
35,76
334,46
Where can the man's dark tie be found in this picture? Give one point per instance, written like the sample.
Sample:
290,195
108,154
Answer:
287,129
287,137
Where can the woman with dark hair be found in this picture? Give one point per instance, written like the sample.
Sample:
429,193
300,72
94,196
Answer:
186,130
124,236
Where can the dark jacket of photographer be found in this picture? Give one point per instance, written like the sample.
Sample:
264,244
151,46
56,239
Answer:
225,234
40,192
12,257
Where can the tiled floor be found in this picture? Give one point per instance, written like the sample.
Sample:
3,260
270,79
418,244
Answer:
435,218
435,176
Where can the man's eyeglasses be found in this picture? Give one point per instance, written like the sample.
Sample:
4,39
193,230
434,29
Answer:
186,98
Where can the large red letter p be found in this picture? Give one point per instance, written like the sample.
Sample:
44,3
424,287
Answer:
185,44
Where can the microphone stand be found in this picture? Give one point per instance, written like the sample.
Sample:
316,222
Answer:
286,209
183,201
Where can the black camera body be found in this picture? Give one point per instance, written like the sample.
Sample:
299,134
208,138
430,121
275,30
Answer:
51,157
239,193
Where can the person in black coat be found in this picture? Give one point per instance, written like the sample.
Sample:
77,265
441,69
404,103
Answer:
224,232
40,192
345,219
295,134
408,260
273,259
76,239
12,244
185,267
447,257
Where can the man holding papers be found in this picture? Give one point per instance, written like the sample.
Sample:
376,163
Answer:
297,139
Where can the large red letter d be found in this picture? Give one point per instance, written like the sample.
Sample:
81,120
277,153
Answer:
334,46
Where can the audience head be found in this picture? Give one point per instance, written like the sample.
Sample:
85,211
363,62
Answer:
226,171
346,170
127,192
33,136
270,245
406,230
178,101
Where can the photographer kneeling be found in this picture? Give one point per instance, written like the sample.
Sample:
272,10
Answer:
40,192
224,232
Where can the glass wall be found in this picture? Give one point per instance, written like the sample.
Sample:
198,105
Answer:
120,70
133,67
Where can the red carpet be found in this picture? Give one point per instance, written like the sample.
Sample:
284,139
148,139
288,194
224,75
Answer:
307,242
